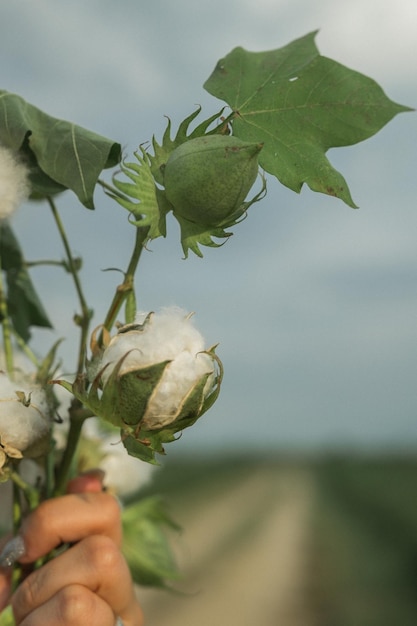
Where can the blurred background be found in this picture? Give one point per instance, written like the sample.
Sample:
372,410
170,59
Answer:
296,491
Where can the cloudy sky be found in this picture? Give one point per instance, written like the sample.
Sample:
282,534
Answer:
314,304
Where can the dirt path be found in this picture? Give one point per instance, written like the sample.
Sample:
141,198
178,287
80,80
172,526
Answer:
245,555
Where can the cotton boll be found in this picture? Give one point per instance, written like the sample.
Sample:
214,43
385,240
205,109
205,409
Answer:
161,337
153,379
32,472
14,182
24,418
179,377
164,336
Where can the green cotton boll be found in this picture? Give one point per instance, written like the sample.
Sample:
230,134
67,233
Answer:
208,178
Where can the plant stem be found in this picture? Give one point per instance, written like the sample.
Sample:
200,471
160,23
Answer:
83,320
125,288
26,349
31,494
6,329
77,415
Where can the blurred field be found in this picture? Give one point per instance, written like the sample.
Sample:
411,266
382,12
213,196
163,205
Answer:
272,542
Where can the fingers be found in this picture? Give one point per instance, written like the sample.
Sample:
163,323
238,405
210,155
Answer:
4,589
95,564
68,519
71,606
5,577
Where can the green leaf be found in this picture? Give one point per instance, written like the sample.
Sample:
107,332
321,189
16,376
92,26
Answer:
61,154
24,307
145,544
140,449
300,104
6,617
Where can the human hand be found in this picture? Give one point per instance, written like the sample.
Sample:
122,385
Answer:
90,582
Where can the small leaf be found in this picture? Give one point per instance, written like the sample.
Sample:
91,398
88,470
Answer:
61,154
6,617
43,373
300,104
140,449
24,307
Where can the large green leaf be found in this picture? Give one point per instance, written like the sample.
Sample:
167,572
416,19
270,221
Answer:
61,154
300,104
23,305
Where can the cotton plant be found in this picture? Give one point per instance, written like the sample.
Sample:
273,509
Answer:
142,378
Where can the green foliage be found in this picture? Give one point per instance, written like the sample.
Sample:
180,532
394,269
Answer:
300,104
61,155
6,617
295,102
145,544
367,524
24,307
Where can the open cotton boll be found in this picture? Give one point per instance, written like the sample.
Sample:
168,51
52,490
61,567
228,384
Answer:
180,375
14,182
166,336
24,418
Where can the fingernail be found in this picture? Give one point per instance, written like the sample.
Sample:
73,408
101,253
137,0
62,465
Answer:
12,551
96,472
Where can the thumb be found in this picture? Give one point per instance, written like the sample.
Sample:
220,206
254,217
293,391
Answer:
90,482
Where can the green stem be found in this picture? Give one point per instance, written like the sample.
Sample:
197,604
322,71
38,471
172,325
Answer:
83,320
31,494
6,329
77,416
125,288
42,262
26,349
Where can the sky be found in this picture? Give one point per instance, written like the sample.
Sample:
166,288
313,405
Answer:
313,304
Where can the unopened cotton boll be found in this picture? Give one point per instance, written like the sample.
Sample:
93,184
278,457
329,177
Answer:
25,422
14,182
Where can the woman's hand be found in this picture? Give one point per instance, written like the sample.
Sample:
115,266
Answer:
90,582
